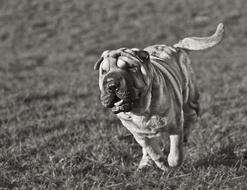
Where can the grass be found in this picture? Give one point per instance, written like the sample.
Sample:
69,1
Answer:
54,134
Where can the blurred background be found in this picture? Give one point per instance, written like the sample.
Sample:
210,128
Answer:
54,134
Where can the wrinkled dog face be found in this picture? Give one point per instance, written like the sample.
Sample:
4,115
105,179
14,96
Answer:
122,78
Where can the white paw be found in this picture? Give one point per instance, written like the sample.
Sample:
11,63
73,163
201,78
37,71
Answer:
145,163
174,160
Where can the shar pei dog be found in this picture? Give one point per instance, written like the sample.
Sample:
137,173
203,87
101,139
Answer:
153,92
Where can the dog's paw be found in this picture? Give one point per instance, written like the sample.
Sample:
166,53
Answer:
145,164
174,160
144,168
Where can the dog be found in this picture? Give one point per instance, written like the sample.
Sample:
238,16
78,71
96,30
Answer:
153,92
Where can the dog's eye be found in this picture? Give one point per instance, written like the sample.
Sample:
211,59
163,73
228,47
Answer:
133,69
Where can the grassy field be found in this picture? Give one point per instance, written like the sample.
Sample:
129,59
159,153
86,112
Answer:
54,134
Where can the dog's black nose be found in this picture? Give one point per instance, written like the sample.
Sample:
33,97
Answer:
112,86
112,82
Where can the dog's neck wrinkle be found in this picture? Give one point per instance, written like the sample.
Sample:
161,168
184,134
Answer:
172,79
156,103
151,103
147,97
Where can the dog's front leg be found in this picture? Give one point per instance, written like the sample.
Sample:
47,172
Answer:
146,161
176,131
152,150
175,156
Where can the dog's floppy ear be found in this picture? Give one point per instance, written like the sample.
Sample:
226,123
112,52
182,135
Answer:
97,64
143,55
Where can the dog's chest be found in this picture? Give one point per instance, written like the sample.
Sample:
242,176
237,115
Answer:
148,126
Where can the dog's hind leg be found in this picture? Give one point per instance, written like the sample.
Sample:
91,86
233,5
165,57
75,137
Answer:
191,110
191,107
190,120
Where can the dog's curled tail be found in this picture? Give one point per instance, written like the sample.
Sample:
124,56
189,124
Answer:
201,43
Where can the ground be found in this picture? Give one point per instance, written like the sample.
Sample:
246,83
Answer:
54,133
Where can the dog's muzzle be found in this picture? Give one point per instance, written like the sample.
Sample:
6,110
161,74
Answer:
118,93
112,84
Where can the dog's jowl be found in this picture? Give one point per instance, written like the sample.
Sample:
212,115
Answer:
154,93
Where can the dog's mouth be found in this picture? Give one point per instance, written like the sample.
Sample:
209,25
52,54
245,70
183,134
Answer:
123,105
119,104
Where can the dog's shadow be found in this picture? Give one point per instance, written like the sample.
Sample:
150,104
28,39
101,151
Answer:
226,156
